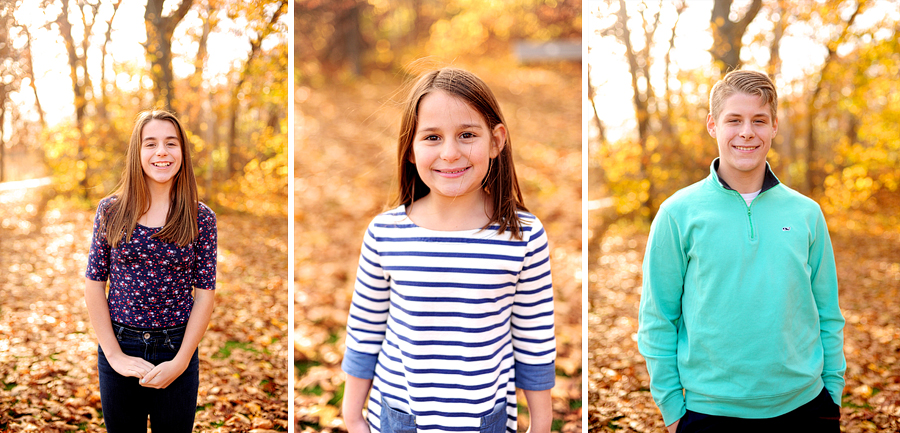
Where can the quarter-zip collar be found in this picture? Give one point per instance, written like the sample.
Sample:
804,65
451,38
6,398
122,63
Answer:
769,179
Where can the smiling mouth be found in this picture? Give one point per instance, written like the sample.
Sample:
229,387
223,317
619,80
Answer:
746,148
160,164
453,171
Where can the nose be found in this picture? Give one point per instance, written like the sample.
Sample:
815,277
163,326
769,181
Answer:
747,131
162,149
450,150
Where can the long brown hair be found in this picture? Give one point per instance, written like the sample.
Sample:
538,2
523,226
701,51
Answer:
500,182
133,195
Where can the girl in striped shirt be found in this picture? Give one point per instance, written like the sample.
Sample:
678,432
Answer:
453,302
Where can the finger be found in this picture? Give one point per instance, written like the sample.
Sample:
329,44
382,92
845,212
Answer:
143,363
148,378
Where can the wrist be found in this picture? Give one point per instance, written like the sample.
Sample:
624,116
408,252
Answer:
181,359
351,414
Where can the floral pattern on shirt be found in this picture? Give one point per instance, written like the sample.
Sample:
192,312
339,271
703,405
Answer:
150,281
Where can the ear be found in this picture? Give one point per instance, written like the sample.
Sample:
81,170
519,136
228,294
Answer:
498,139
774,126
711,125
412,155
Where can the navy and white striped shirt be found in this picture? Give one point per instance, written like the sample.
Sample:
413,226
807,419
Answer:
449,323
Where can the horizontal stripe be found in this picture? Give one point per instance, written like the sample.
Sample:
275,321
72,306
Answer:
480,256
454,372
535,278
533,316
449,240
442,299
448,343
367,310
414,226
440,308
452,270
533,304
460,386
531,292
424,328
370,287
451,313
452,285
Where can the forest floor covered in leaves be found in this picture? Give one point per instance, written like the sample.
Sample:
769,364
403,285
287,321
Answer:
48,351
345,171
867,254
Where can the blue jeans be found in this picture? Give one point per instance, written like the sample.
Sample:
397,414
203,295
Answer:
395,421
127,404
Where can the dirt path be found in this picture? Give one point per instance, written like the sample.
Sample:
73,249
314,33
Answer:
48,373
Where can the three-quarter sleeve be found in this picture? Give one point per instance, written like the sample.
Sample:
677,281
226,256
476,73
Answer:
533,338
367,322
99,255
203,270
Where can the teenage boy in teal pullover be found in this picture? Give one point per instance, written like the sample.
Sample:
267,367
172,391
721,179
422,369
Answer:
739,317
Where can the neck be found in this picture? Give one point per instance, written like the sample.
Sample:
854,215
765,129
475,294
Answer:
742,181
159,193
158,208
451,213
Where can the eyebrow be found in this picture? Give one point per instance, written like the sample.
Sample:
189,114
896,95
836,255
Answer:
766,115
463,126
171,137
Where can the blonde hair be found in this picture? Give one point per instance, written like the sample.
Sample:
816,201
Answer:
740,81
133,195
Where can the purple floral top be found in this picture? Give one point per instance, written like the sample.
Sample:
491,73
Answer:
150,281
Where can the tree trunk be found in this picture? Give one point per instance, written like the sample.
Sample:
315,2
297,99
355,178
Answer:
773,68
79,88
814,176
727,34
666,123
194,106
159,48
592,92
642,100
354,40
255,44
29,62
104,97
2,133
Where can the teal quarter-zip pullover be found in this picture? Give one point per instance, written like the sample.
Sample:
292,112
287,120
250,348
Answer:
739,307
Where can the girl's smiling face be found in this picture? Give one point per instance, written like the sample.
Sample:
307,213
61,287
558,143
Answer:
160,152
453,145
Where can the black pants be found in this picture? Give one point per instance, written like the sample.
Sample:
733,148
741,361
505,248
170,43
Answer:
819,415
127,404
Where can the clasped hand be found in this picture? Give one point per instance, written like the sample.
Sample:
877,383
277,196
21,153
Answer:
159,376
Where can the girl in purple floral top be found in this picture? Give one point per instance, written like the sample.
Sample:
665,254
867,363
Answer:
156,244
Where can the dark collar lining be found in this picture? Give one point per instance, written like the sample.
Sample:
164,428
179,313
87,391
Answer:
769,179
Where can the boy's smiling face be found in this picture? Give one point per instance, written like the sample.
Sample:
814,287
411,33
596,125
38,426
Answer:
743,131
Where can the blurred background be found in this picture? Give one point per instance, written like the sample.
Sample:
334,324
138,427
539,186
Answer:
352,61
73,76
651,66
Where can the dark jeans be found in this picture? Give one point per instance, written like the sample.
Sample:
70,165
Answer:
819,415
127,404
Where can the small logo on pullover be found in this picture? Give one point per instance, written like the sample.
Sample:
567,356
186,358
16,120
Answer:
785,229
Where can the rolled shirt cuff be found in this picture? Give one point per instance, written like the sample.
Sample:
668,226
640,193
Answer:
535,377
358,364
